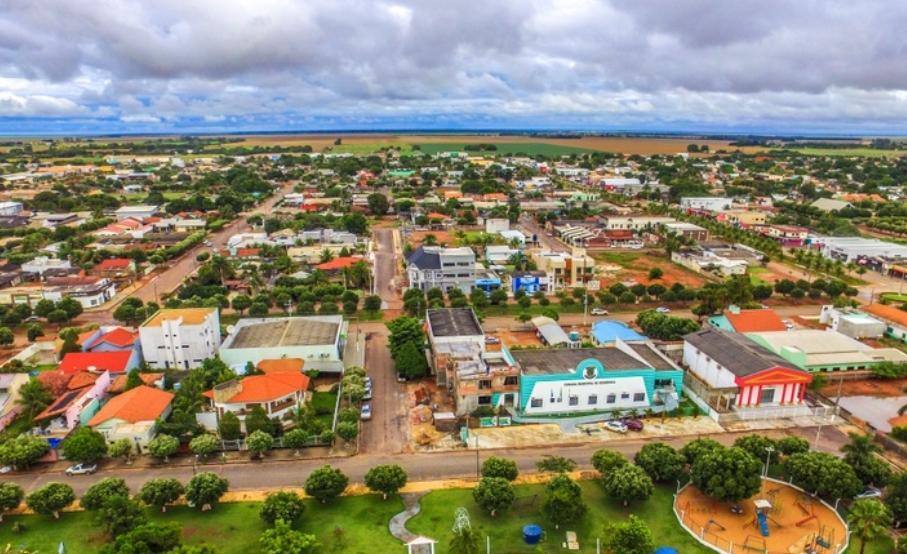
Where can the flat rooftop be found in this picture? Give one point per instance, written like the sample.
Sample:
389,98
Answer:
547,362
453,322
290,331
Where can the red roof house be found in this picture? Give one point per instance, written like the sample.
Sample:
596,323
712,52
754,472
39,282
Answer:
114,362
755,321
342,262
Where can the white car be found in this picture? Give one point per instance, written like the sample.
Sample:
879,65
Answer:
599,311
366,413
871,492
616,426
663,310
788,324
81,469
368,393
492,340
5,469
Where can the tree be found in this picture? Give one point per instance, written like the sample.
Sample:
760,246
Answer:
862,456
655,273
386,479
44,307
229,427
727,474
496,466
283,539
325,483
70,306
493,494
605,461
555,464
161,492
11,496
347,430
259,442
34,397
205,489
103,490
378,204
410,362
34,331
405,330
630,537
258,309
133,379
792,445
296,439
51,499
257,420
120,514
757,446
661,462
22,451
284,506
204,445
85,446
156,538
896,497
822,474
628,482
163,446
372,303
563,501
6,336
241,303
120,448
696,448
868,519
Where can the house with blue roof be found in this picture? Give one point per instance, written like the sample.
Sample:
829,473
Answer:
608,331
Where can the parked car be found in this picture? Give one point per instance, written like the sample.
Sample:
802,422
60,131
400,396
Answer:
616,426
81,469
788,324
5,469
368,382
492,340
633,424
368,393
663,310
599,311
365,413
400,378
870,492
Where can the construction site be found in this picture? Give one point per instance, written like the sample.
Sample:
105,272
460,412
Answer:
779,519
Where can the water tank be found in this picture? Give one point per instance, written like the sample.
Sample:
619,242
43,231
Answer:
532,534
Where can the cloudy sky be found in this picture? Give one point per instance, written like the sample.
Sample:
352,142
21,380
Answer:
79,66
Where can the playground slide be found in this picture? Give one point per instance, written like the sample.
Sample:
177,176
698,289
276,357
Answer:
763,524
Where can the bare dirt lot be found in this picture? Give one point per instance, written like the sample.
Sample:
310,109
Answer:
442,238
635,266
865,387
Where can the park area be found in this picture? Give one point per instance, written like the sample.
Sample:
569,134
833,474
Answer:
779,519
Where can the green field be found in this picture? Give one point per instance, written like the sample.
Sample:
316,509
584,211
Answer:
529,148
850,152
356,524
623,259
370,147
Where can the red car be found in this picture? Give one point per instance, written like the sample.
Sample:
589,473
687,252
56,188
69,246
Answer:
633,424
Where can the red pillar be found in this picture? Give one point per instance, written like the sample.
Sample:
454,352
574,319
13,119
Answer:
758,395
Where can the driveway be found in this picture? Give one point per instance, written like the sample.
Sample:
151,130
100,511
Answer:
388,429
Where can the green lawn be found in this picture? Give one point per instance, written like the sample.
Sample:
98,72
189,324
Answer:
505,530
894,297
850,152
754,273
356,524
623,259
529,148
370,147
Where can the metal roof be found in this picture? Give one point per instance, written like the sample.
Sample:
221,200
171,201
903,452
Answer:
453,322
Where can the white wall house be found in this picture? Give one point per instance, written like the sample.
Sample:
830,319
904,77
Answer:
706,203
180,338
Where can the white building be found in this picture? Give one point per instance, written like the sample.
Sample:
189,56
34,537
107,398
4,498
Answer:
180,338
635,222
706,203
496,225
706,261
42,264
852,323
10,208
140,212
444,268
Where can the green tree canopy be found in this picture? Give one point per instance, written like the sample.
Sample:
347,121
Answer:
496,466
386,479
493,494
325,483
284,506
661,462
85,446
161,492
727,474
627,483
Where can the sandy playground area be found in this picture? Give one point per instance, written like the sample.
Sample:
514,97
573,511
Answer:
797,523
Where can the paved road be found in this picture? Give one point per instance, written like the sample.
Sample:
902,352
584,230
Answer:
420,467
388,428
386,259
168,280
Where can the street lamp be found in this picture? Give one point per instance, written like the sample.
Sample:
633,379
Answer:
768,457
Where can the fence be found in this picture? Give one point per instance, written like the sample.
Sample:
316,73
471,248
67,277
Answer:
240,444
720,544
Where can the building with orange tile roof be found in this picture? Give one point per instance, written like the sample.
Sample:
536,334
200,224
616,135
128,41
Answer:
343,262
748,321
133,415
277,393
281,365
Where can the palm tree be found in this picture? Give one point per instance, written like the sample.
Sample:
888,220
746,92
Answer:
868,519
34,397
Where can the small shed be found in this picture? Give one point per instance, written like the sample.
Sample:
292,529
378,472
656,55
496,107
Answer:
445,422
421,545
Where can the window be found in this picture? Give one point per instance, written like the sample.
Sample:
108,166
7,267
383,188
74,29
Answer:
768,396
624,395
535,402
484,400
611,399
639,397
573,401
485,384
511,380
593,399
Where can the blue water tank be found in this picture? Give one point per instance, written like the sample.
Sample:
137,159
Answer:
532,534
665,550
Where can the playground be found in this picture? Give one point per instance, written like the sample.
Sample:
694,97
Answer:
779,519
